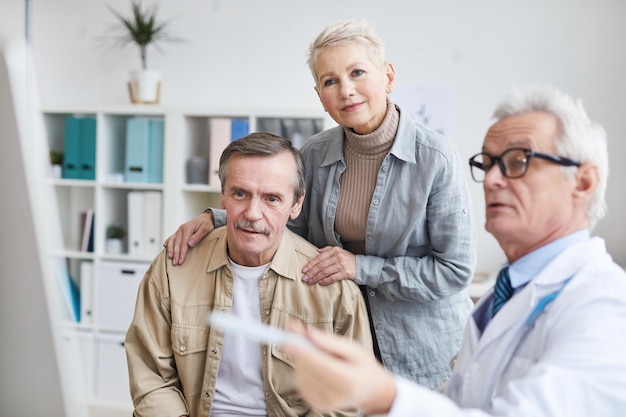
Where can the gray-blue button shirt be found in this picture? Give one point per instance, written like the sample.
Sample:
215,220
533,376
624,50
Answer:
420,244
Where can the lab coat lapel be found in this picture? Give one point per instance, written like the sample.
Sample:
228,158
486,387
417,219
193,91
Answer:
512,316
509,317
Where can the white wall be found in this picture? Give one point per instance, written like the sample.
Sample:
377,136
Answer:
252,53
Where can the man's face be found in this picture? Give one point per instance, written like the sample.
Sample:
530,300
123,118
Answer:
258,199
528,212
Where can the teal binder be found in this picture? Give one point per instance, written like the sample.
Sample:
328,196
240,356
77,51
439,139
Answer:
79,159
144,150
88,149
71,151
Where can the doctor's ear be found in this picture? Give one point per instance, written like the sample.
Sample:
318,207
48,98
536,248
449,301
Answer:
587,179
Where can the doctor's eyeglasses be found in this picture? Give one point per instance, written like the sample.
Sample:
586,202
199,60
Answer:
513,162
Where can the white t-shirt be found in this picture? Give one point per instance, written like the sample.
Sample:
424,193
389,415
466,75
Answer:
239,386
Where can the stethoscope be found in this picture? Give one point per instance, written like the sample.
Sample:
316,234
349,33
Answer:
540,308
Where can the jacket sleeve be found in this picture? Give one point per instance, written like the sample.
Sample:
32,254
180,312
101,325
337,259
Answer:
219,216
354,323
154,383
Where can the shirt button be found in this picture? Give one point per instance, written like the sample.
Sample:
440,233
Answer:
267,394
264,352
207,394
267,312
213,351
385,168
372,293
183,348
379,327
375,202
370,238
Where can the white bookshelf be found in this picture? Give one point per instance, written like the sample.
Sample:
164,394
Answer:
186,133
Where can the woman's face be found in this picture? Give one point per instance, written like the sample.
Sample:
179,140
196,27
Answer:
352,89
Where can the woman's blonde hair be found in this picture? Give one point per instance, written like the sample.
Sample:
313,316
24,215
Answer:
346,32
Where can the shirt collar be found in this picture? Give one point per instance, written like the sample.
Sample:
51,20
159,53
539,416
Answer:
284,262
404,143
528,266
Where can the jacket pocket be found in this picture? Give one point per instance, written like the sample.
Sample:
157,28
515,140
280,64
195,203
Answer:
281,369
189,345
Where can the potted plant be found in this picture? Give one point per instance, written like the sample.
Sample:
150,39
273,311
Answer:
56,162
114,238
143,30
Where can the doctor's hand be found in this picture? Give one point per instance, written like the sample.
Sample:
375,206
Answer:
187,236
339,374
331,265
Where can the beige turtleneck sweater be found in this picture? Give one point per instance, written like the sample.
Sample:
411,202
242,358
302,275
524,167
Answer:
364,154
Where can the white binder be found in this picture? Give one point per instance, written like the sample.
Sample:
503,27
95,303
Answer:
136,245
152,204
86,292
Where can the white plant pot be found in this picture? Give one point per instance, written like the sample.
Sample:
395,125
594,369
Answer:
145,86
114,245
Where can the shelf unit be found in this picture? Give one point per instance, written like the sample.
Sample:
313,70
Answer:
110,294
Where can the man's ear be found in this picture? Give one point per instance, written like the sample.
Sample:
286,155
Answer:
297,208
587,180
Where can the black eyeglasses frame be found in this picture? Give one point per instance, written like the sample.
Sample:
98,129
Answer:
560,160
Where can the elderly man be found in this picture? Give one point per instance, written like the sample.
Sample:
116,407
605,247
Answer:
550,339
250,268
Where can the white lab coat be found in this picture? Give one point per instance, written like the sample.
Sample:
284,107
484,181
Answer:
571,362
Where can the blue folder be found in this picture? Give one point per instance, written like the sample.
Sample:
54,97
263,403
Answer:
238,128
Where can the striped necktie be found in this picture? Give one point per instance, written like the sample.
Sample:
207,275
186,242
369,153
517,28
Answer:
503,290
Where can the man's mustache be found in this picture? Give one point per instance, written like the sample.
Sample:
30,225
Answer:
251,227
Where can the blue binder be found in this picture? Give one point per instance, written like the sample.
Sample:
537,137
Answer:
79,159
238,128
144,150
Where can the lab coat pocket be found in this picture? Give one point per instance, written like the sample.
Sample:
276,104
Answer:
518,367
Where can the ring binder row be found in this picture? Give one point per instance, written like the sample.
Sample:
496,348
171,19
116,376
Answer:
143,156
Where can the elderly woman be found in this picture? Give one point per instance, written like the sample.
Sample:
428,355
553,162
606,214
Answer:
388,204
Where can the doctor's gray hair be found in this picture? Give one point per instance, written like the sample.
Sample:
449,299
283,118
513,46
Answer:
580,139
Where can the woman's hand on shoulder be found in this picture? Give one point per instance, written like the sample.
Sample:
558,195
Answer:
331,265
187,236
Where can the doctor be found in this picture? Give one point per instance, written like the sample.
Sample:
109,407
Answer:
550,340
